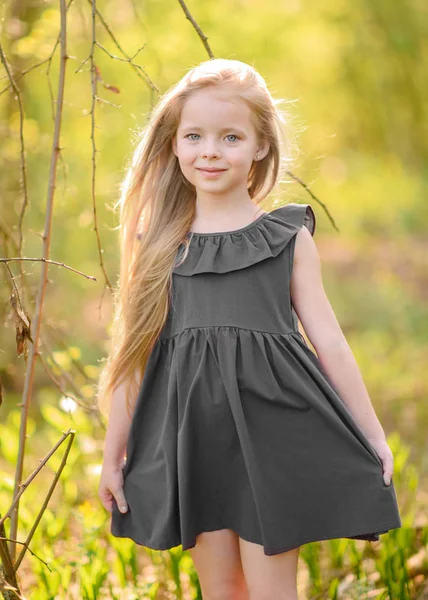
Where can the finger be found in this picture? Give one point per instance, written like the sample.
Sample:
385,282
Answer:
121,501
388,471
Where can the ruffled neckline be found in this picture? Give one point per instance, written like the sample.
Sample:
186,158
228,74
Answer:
265,237
233,231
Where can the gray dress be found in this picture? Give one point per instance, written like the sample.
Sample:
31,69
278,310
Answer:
236,423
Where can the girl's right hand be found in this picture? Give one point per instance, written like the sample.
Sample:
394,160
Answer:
111,486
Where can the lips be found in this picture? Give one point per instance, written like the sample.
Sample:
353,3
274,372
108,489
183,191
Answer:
210,170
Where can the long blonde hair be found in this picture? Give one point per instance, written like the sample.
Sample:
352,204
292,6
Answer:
157,208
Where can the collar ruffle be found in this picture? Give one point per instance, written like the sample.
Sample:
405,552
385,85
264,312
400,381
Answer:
264,238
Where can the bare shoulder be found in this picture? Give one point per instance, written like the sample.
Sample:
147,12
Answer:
305,241
308,295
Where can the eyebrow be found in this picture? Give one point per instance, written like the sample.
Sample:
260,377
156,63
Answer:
224,129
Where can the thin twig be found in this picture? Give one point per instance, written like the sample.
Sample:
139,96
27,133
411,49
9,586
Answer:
197,28
118,57
107,102
136,68
18,77
59,384
37,65
22,152
94,76
28,548
302,183
56,333
88,408
52,262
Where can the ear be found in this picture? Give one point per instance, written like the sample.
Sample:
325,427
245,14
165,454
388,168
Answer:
262,149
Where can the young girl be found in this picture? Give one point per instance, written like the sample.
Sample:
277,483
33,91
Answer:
241,443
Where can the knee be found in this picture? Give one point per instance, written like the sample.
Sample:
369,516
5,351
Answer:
231,590
268,593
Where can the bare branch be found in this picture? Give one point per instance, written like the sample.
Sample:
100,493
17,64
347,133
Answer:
55,332
303,184
22,151
37,65
197,28
136,68
99,99
94,77
70,433
88,408
52,262
23,486
28,548
29,375
18,77
128,60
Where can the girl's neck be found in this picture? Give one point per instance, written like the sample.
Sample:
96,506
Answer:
216,219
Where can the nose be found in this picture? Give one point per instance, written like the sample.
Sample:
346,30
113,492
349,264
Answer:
210,151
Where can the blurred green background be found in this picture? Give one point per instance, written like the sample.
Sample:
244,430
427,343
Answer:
354,75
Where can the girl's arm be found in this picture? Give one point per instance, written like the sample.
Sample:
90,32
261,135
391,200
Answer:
323,330
118,428
116,439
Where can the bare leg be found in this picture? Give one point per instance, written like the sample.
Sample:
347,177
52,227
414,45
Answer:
217,561
269,577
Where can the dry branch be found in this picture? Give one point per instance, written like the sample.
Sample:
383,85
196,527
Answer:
29,375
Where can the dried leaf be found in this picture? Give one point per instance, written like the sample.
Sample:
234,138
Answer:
22,325
98,73
112,88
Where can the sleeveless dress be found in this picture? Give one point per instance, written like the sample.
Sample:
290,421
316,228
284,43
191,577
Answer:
236,424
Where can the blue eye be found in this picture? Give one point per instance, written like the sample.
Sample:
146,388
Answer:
193,140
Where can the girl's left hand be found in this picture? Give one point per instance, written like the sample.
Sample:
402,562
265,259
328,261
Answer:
386,457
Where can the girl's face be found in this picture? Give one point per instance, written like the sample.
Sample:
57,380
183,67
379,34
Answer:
215,132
